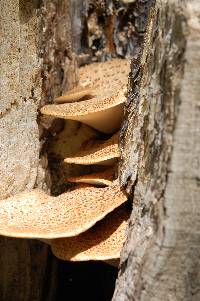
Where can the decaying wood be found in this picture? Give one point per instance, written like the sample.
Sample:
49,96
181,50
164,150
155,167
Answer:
36,63
147,141
160,258
172,268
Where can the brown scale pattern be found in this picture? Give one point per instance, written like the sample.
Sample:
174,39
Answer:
105,76
68,217
37,215
97,153
102,242
99,102
108,79
75,94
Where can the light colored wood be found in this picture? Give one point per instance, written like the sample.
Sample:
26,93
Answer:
29,73
146,148
172,268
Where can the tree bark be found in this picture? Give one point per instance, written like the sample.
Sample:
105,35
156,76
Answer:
160,260
37,62
44,43
174,261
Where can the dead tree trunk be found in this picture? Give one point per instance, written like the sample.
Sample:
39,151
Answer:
36,63
160,260
45,40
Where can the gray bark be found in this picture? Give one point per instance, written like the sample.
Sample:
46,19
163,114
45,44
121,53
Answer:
173,267
160,260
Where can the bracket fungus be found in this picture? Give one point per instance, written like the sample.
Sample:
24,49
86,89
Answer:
75,94
101,178
104,109
102,242
102,153
86,222
35,214
71,138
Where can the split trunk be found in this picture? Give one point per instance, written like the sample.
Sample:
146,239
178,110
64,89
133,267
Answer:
43,43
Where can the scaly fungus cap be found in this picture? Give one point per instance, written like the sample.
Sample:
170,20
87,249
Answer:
37,215
102,242
104,111
104,153
75,94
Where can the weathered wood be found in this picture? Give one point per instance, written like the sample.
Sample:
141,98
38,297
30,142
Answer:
38,36
147,141
172,266
37,62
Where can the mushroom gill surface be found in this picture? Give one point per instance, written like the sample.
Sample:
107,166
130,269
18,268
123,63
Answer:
35,214
102,153
104,110
102,242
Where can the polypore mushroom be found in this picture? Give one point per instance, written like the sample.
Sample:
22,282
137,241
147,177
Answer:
104,111
105,74
102,242
103,153
102,178
75,94
70,139
37,215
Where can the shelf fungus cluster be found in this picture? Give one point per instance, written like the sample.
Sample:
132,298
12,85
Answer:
101,106
87,222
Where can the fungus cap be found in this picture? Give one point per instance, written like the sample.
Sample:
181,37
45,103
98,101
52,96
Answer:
102,153
37,215
75,94
102,178
104,111
105,75
104,114
102,242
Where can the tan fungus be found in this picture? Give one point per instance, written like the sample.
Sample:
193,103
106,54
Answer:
102,153
75,94
104,111
102,242
102,178
35,214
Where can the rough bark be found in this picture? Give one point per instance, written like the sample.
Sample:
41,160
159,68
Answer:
172,268
36,63
160,260
147,140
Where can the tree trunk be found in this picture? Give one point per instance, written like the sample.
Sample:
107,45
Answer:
36,63
160,260
44,43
